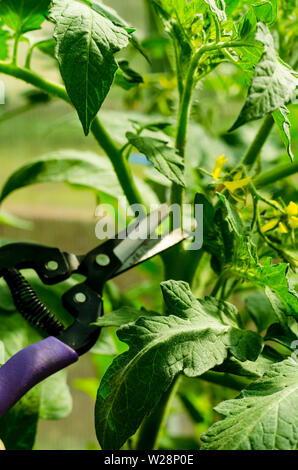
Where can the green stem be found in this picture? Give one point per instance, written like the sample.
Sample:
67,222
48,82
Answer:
118,161
152,426
259,197
276,174
264,236
256,146
191,261
185,102
171,259
29,57
217,28
178,68
15,48
226,380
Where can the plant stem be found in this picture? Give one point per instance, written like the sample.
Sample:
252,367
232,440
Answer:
191,260
226,380
152,426
118,161
256,146
276,174
178,68
185,102
15,48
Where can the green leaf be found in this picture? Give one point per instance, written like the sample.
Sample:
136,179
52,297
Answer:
232,215
114,17
4,36
260,310
23,15
163,157
163,126
263,417
68,166
248,25
49,400
281,334
126,77
281,119
2,352
266,12
18,427
251,369
273,85
107,12
208,211
190,340
180,10
247,57
6,301
275,277
13,221
46,44
270,278
105,345
16,333
245,253
81,169
178,299
55,397
218,8
123,316
219,241
86,45
89,385
277,305
47,47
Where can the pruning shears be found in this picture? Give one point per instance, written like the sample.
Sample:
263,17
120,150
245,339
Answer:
83,301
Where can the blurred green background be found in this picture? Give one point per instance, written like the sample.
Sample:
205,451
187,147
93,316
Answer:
64,217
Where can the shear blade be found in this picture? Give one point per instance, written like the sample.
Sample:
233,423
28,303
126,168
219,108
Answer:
152,247
141,232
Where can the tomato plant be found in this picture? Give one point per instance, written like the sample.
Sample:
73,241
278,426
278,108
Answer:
223,314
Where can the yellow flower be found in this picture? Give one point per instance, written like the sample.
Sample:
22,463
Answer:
236,184
168,84
283,222
270,225
292,209
197,42
282,228
293,222
220,161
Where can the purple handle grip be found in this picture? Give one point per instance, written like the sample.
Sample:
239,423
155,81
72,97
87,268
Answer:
30,366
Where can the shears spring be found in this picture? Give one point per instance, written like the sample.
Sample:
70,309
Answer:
29,305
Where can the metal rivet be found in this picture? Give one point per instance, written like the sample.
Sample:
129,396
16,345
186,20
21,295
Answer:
102,260
80,297
52,265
